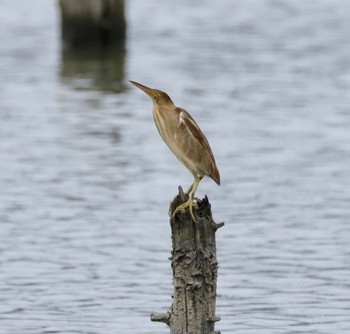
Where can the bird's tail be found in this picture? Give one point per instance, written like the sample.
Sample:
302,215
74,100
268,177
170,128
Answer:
215,175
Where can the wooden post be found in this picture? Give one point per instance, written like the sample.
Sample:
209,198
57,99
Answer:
194,267
93,23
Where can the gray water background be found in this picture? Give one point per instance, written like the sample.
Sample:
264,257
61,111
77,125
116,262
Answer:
85,181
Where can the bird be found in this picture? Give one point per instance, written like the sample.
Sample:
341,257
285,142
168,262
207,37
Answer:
185,139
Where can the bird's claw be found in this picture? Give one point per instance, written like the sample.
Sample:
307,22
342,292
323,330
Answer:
189,204
197,199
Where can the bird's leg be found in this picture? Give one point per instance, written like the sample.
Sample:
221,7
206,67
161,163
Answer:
189,189
189,204
191,195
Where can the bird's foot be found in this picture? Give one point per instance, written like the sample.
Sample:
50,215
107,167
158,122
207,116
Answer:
189,204
197,199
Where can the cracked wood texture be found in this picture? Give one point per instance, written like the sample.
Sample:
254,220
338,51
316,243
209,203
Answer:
194,267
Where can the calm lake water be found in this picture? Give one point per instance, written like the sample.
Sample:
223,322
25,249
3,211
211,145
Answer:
85,180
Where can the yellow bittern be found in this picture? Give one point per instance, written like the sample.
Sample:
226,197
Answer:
185,139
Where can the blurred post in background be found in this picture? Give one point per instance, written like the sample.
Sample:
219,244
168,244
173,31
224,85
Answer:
99,23
93,36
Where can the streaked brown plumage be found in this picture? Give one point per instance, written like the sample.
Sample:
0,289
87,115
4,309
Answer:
184,138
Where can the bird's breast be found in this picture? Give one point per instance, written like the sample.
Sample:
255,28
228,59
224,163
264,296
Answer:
167,122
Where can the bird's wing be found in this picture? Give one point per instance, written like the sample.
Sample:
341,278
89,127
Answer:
194,147
188,125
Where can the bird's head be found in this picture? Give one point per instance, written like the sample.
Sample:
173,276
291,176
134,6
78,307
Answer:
158,97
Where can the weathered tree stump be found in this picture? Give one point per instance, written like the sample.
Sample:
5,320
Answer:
93,23
194,267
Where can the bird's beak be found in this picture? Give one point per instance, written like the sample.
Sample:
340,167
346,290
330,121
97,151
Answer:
147,90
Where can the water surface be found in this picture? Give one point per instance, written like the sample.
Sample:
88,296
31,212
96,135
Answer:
86,181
